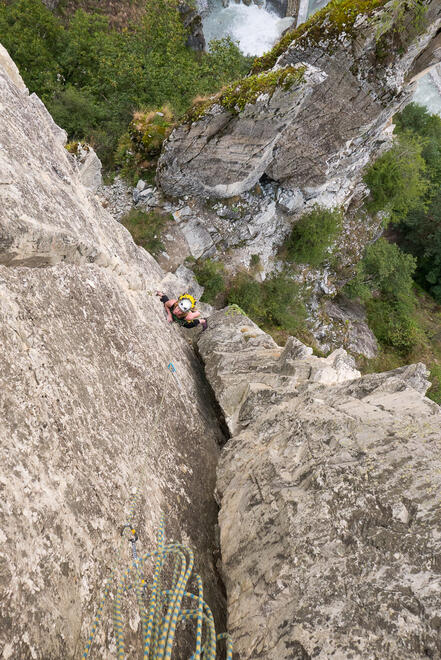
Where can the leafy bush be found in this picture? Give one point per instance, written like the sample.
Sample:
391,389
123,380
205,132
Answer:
384,281
274,302
283,303
146,228
77,111
211,275
397,180
246,293
312,235
384,269
392,323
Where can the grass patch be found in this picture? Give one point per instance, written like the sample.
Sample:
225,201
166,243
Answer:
211,275
146,227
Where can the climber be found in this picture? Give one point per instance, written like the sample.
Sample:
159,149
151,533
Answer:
182,311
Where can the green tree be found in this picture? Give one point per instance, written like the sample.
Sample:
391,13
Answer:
420,227
312,235
397,179
417,120
35,39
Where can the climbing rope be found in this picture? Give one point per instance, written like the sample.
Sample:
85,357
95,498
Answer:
164,611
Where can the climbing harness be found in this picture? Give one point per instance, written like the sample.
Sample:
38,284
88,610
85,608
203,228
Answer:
160,609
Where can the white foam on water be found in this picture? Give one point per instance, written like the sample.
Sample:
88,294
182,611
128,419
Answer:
428,94
255,28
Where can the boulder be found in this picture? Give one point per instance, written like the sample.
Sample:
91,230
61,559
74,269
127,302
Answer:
89,166
343,323
290,201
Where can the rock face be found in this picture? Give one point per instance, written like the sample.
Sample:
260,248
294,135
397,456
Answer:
83,370
314,137
344,324
330,501
51,4
89,166
192,22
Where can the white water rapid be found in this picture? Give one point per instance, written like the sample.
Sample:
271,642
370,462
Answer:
428,91
255,28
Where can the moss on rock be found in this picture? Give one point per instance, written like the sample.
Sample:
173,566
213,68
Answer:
331,23
237,95
139,148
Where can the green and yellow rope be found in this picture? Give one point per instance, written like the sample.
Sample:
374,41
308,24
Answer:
159,627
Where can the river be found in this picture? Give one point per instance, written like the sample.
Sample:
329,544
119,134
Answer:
255,28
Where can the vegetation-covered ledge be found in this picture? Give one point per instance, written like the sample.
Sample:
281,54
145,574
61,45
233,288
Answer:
237,95
337,21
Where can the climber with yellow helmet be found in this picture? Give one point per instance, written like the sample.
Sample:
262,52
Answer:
182,310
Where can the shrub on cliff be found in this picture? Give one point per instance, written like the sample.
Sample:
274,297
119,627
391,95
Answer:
396,180
138,149
384,270
312,236
393,324
211,275
274,303
384,282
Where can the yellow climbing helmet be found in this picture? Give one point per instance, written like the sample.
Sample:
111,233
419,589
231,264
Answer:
186,302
